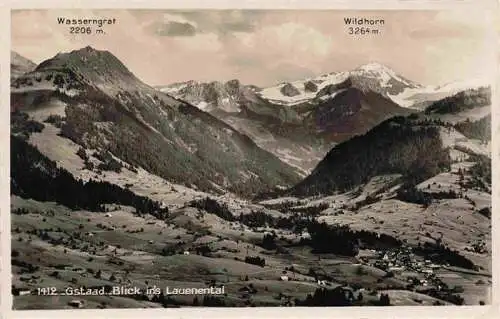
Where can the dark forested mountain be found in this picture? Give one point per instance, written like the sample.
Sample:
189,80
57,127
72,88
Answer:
398,145
411,146
108,108
352,111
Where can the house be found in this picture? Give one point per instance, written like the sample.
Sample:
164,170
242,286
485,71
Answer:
305,235
151,241
76,303
24,292
322,282
396,269
108,215
284,278
186,252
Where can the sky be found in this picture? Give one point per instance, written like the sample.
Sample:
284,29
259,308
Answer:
265,47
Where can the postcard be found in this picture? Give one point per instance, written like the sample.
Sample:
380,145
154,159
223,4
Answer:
251,157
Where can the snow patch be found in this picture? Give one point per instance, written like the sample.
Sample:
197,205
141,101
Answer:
411,96
274,94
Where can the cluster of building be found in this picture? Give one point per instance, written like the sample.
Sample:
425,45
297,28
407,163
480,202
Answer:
402,259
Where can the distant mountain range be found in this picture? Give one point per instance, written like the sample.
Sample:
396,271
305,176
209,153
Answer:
20,65
300,121
219,136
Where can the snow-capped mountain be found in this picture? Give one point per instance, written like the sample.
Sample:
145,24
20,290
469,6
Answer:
373,77
421,97
329,108
303,118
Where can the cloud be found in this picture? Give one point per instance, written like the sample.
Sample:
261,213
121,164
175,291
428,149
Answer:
189,23
174,25
288,44
173,29
200,43
223,21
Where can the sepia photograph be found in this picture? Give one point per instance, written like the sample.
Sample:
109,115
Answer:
250,158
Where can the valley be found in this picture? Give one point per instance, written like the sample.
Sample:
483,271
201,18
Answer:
259,191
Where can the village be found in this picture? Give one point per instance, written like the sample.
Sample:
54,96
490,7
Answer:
402,262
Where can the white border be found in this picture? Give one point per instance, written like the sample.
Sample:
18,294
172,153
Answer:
491,311
252,4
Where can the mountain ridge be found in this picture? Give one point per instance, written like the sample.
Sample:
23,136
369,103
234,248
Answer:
137,123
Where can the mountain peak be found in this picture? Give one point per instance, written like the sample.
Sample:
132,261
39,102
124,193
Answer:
95,65
90,51
89,48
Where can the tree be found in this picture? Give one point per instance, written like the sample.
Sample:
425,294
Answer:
255,261
195,301
82,154
268,242
384,300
